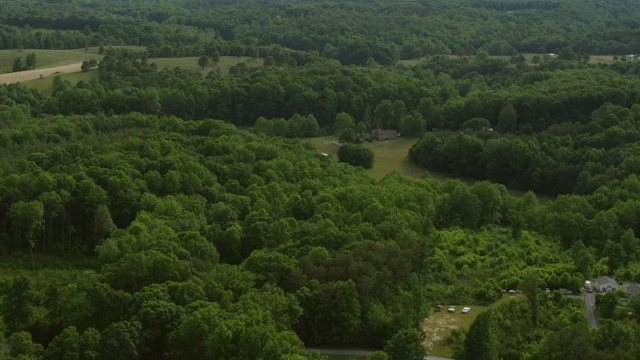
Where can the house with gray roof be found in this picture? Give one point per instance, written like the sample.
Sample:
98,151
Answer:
606,284
632,289
384,134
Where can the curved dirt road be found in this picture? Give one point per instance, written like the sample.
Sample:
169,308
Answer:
35,74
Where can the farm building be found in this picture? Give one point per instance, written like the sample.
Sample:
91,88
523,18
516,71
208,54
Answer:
384,134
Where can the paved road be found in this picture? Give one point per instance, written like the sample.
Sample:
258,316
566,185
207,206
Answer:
590,305
353,352
35,74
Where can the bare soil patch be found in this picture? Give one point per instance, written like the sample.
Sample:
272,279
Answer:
21,76
438,328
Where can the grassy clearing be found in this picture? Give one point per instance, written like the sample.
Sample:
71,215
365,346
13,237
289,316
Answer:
389,156
191,63
439,325
343,357
47,58
45,85
393,156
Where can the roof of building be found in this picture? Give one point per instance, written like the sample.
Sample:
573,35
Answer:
604,281
633,289
380,131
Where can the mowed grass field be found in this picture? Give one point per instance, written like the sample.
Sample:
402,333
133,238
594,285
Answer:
47,58
389,156
191,63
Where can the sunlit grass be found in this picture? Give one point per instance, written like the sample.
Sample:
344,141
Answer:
45,85
393,156
47,58
191,63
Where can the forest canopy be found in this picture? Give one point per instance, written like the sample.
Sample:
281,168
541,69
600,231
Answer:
152,211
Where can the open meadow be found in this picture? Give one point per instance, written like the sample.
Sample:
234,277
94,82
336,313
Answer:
47,58
389,156
191,63
393,156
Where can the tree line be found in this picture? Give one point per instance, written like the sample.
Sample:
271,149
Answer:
349,32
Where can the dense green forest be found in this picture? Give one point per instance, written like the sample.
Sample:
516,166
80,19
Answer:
350,31
165,213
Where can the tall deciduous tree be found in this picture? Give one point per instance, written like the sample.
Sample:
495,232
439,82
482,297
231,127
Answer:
343,121
530,287
356,155
383,114
203,61
70,344
405,345
215,56
16,307
481,343
30,61
22,347
17,64
608,304
508,119
412,125
399,110
347,311
121,341
28,218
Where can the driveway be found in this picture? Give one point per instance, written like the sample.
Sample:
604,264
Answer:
590,305
353,352
15,77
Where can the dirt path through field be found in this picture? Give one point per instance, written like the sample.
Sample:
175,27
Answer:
35,74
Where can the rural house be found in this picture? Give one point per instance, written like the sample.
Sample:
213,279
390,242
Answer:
384,134
632,289
605,284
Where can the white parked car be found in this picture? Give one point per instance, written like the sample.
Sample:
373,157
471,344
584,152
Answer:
466,309
452,309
